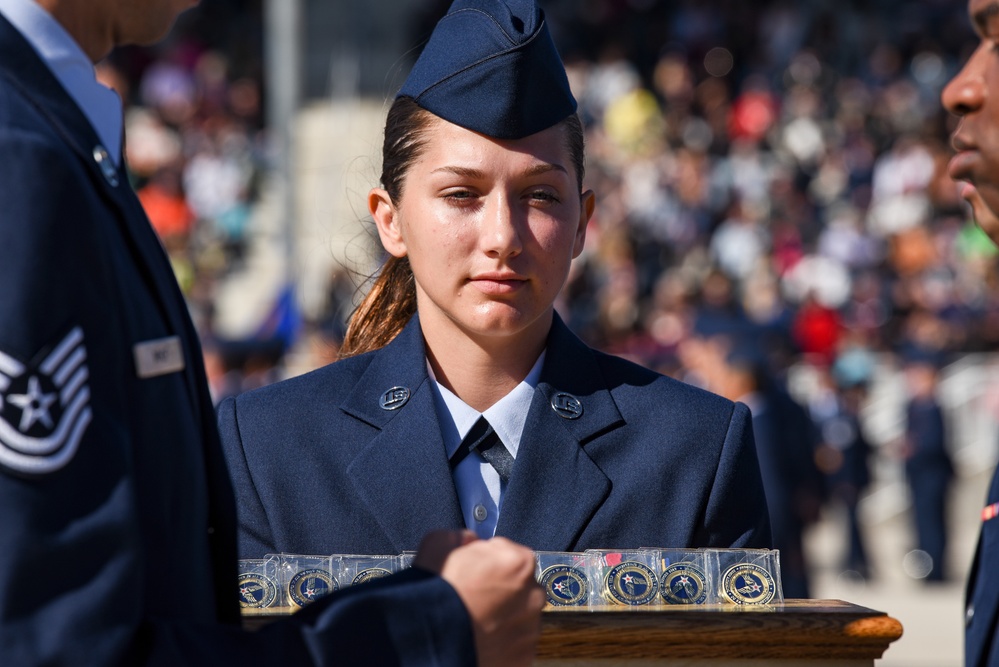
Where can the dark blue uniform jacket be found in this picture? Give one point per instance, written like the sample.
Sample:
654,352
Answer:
980,649
320,467
117,520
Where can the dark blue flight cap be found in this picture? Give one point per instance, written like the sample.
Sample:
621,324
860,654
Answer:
491,66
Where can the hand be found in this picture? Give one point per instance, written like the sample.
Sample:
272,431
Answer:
438,545
495,580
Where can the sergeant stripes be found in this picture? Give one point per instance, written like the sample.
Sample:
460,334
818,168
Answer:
66,366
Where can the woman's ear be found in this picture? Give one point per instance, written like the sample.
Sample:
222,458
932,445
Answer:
386,218
587,204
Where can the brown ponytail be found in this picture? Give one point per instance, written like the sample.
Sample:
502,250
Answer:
391,302
384,311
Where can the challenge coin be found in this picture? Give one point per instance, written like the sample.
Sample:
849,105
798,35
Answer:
565,586
746,583
310,585
256,590
683,583
631,583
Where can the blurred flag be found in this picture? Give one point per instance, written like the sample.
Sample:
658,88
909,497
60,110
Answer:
284,322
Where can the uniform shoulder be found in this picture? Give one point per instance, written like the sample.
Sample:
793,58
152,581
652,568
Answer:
329,384
628,379
20,119
41,156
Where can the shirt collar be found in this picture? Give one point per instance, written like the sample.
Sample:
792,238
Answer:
507,416
71,67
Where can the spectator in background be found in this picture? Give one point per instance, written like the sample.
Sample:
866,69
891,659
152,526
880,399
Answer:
928,465
785,444
843,451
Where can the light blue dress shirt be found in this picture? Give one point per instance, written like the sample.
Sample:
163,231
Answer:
480,491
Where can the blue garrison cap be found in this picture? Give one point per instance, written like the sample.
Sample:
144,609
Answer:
491,66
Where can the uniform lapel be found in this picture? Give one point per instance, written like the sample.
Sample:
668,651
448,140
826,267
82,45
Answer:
402,475
556,487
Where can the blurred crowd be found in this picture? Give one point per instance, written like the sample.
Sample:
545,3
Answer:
195,141
772,193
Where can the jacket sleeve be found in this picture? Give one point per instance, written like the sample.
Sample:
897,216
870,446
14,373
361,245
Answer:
70,565
411,619
736,513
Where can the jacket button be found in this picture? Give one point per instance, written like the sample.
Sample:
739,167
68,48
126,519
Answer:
480,513
969,614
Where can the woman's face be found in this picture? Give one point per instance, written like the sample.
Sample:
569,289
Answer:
490,228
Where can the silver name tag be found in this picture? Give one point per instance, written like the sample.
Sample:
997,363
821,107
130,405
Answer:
158,357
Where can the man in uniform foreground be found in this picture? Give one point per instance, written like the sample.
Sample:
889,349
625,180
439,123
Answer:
116,512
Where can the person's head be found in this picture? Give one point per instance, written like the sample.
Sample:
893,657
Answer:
481,212
973,94
100,25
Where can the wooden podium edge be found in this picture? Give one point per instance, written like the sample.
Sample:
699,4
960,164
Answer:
796,630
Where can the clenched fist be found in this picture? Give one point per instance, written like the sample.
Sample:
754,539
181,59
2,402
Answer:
495,580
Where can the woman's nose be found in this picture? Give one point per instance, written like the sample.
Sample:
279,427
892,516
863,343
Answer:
501,235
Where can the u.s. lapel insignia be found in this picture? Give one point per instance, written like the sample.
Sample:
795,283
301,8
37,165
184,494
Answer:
394,398
567,406
44,408
108,170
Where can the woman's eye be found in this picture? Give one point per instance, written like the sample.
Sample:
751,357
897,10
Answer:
459,196
544,196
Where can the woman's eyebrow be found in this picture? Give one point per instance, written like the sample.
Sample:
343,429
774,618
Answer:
468,172
472,172
985,17
545,167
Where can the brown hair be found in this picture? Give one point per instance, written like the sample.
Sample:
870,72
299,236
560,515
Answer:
391,302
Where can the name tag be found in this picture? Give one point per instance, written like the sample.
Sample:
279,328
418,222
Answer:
158,357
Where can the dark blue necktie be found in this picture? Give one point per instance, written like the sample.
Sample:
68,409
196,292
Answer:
483,439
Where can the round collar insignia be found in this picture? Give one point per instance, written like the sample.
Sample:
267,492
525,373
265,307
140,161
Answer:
567,406
394,398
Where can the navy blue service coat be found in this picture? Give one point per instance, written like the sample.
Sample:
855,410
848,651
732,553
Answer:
117,519
982,613
320,467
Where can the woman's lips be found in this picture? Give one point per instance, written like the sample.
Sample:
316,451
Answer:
498,283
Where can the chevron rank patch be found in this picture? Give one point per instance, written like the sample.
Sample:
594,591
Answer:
44,407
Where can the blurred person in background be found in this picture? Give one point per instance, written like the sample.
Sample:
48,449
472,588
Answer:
844,452
734,363
928,467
